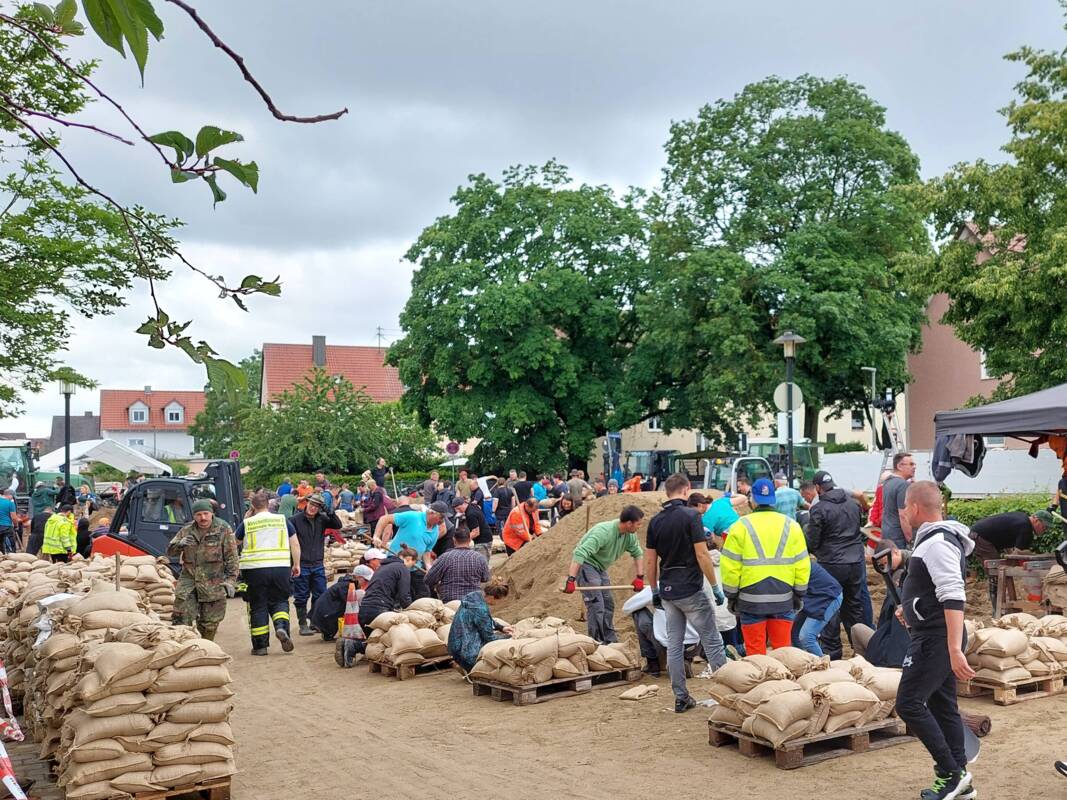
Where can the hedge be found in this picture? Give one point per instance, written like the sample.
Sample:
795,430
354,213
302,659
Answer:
970,511
274,481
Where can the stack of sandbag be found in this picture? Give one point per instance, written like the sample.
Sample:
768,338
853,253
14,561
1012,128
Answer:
350,519
1017,647
411,636
151,577
791,693
339,559
1054,587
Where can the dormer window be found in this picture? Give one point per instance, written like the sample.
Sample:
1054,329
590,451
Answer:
138,414
174,414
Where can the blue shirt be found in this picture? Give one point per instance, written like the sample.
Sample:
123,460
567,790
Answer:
720,516
327,495
285,488
7,508
787,501
346,500
540,492
411,531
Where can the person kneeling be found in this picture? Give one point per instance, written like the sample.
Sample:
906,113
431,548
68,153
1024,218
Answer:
473,625
821,604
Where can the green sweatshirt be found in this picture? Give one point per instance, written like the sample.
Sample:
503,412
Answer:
602,545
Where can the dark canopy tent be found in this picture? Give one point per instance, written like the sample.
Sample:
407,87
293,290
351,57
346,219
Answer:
1043,412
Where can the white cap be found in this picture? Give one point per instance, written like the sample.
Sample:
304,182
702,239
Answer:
374,553
364,572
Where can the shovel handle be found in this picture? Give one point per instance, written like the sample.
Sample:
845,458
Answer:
601,588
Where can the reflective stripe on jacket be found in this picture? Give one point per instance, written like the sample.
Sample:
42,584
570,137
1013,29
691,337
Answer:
764,563
520,528
266,542
60,535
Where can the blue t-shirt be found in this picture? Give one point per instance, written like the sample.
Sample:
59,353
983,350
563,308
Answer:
327,495
540,492
720,516
7,508
411,531
284,489
787,501
346,500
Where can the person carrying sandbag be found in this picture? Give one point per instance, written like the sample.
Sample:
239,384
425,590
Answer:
765,571
207,550
599,548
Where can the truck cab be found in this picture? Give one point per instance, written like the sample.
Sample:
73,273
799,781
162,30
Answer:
155,509
17,469
718,470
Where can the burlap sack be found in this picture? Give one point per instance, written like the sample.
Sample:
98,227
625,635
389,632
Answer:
718,691
191,753
101,790
1003,677
375,635
430,644
217,732
137,744
824,676
167,653
527,652
162,702
616,655
175,679
60,682
80,774
408,659
375,651
884,684
1052,625
494,653
170,732
786,709
100,750
1002,642
134,782
175,775
64,664
726,716
217,769
484,671
748,702
1050,649
123,601
773,669
510,674
117,660
420,619
996,663
453,605
201,653
210,694
862,669
88,729
597,662
200,712
116,704
580,662
847,719
387,619
564,668
971,628
845,697
799,662
1042,669
99,620
763,729
1020,621
430,605
741,676
60,645
570,643
403,639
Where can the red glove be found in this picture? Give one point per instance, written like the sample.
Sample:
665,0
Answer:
569,588
638,584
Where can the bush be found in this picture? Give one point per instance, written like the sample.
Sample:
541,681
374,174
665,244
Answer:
970,511
844,447
272,482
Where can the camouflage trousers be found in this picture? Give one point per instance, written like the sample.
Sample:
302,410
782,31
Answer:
206,617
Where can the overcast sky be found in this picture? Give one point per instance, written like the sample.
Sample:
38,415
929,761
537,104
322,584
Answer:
439,90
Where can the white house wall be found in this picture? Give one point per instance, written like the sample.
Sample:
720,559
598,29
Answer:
165,444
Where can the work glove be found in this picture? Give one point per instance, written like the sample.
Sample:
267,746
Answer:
638,584
798,602
231,590
241,590
731,606
571,584
657,601
720,598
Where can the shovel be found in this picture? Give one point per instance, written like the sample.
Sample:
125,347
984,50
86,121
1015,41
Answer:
882,561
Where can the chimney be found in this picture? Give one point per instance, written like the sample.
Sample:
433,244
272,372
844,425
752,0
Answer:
318,351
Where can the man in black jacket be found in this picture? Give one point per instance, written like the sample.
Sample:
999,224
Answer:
481,533
835,539
311,525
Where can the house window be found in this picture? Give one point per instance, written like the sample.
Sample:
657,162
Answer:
138,415
831,438
174,415
655,424
135,442
857,419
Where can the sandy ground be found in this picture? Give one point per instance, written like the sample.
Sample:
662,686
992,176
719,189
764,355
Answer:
307,729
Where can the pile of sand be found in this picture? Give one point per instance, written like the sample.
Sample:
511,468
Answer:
536,573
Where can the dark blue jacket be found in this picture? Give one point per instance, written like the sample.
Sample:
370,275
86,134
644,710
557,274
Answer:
823,589
472,627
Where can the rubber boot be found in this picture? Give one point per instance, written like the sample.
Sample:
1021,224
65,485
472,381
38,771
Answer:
302,618
284,638
260,651
207,631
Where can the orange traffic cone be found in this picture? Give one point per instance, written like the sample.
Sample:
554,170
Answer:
352,629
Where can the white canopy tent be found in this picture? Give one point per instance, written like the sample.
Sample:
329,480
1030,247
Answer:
106,451
459,461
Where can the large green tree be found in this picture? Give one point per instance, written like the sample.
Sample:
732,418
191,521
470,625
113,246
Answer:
521,315
326,423
217,428
780,210
1003,231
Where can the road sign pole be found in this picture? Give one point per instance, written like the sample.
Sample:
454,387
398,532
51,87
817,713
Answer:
789,418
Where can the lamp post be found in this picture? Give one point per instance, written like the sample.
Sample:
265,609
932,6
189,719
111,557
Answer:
66,388
789,342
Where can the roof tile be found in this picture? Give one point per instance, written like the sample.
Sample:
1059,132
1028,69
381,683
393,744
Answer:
285,365
115,405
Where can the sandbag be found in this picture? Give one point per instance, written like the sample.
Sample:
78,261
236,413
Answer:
1002,642
564,668
845,697
200,712
1003,677
420,619
773,669
741,676
847,719
217,769
386,620
191,753
99,750
375,651
718,691
725,716
209,694
616,657
484,671
162,702
89,729
442,633
174,775
125,703
748,702
580,662
496,652
430,605
100,790
408,659
170,732
1050,649
799,662
134,782
60,645
570,643
175,679
824,676
526,652
430,644
764,729
597,662
885,683
79,774
122,601
1019,620
996,663
403,639
217,732
102,620
786,709
201,653
117,660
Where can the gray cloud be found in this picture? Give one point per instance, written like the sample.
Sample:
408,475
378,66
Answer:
440,90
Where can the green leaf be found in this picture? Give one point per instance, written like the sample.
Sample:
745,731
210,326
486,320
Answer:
44,13
182,144
65,12
74,28
251,281
226,376
144,12
181,176
103,21
248,174
216,192
273,288
133,29
211,137
148,327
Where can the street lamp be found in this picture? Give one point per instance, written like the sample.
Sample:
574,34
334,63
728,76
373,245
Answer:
789,342
66,388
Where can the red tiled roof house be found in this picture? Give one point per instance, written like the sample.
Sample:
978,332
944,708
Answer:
154,421
286,365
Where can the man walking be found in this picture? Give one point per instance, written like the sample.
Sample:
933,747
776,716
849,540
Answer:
835,539
311,525
677,559
60,535
269,558
932,605
765,568
207,550
474,521
895,527
600,547
459,571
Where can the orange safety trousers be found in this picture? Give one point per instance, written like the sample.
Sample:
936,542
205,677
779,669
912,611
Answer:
756,633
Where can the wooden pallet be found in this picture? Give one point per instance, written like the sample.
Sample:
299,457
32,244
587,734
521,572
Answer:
1015,692
813,749
558,687
209,790
406,672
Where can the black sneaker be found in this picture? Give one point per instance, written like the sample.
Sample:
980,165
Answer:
651,668
1061,767
681,706
970,793
259,651
285,639
949,787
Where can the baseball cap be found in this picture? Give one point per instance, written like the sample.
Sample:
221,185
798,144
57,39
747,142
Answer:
441,507
779,476
824,479
374,553
1046,518
364,572
763,492
458,501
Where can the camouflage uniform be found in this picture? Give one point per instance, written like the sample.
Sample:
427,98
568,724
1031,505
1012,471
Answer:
209,562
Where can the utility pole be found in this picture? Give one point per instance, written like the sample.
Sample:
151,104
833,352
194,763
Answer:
379,337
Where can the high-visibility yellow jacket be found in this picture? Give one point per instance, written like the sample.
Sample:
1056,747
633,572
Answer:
60,535
764,563
266,541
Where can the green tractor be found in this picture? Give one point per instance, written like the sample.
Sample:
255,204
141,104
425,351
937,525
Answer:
18,470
